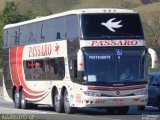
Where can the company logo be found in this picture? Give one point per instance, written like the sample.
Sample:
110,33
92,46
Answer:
40,50
114,42
57,48
117,92
112,25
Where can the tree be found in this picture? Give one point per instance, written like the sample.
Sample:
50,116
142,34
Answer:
10,15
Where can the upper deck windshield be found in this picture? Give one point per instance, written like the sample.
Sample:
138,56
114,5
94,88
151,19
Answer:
114,65
111,26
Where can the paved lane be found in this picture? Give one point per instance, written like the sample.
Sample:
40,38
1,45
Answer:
45,112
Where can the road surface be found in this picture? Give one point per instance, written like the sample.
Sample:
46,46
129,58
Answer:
45,112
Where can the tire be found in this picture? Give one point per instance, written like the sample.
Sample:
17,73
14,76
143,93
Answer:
58,104
66,102
141,108
159,104
111,110
17,103
24,104
122,110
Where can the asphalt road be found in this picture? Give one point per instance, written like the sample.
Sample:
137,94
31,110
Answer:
46,113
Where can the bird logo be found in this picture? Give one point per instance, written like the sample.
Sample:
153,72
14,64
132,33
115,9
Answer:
112,25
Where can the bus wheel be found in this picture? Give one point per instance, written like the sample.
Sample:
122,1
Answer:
24,104
141,108
58,104
111,110
159,104
122,110
17,103
67,108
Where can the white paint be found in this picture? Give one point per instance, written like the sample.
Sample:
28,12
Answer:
71,12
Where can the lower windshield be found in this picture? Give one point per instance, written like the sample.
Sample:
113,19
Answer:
114,65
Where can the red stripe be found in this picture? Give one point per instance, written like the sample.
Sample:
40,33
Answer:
13,66
32,96
20,73
115,88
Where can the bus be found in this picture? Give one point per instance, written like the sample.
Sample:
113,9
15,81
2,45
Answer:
76,59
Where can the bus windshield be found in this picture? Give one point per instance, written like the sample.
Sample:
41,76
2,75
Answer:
111,26
114,65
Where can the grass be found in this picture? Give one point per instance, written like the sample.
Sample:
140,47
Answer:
41,7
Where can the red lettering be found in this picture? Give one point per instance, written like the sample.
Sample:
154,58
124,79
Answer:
107,42
114,42
134,42
41,50
94,42
119,42
127,42
100,43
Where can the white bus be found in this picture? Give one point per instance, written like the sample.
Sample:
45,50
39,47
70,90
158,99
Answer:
77,59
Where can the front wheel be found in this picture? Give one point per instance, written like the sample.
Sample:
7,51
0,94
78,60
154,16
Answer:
111,110
159,104
141,108
67,108
122,110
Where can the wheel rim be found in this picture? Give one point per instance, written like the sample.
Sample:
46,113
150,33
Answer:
66,101
23,100
16,99
56,101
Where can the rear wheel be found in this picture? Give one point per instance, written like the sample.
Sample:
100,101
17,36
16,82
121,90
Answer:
67,108
17,103
111,110
159,104
141,108
122,110
58,104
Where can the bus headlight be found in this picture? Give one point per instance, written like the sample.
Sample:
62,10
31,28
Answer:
142,92
91,93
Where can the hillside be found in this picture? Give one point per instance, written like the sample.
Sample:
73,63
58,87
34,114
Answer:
42,7
149,9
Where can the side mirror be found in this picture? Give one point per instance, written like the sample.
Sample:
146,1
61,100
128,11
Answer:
154,58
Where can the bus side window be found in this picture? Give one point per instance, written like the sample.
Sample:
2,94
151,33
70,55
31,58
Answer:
61,68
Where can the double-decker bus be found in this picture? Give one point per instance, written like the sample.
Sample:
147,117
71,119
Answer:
77,59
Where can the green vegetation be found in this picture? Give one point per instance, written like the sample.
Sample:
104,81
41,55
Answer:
12,11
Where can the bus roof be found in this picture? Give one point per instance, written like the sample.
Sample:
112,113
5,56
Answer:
79,11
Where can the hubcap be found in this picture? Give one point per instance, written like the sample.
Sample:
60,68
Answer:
66,101
56,101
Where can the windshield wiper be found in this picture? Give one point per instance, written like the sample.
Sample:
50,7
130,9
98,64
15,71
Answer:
112,35
125,35
97,36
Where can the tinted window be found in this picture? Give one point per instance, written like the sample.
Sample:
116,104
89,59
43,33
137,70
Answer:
72,27
50,69
5,38
106,26
54,29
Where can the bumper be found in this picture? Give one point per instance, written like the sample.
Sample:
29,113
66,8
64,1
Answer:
113,101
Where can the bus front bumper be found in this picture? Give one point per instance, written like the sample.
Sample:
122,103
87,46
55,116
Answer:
88,101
